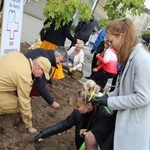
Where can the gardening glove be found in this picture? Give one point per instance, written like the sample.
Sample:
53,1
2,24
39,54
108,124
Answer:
92,51
74,68
37,137
70,69
101,101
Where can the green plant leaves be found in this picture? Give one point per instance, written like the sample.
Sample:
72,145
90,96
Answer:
63,11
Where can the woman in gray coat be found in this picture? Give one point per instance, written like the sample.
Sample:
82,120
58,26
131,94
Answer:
131,98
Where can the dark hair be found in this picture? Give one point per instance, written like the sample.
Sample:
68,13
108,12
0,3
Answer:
42,33
100,47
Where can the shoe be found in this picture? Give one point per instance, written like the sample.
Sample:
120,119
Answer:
88,77
50,81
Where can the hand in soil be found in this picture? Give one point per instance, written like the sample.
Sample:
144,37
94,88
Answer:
55,105
31,130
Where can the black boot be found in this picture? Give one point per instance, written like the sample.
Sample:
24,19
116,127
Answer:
50,81
88,77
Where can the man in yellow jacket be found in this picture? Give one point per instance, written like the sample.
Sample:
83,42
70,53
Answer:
16,77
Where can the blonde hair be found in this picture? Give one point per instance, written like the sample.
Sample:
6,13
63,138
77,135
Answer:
130,38
79,45
86,93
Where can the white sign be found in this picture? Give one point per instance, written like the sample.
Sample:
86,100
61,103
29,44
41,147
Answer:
11,26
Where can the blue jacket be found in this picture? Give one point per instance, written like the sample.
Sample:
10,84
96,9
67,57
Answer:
99,39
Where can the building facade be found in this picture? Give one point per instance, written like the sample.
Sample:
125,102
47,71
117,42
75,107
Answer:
98,11
141,22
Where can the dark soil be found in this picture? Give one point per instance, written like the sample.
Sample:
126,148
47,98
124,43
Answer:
14,136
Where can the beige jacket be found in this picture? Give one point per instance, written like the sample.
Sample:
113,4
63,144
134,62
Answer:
15,75
78,59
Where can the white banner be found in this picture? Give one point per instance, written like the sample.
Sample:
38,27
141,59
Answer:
11,26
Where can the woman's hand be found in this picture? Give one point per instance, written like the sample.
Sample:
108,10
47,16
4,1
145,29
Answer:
79,41
83,132
98,54
38,138
95,69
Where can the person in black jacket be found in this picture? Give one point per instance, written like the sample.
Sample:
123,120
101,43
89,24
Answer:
55,57
83,30
56,37
87,119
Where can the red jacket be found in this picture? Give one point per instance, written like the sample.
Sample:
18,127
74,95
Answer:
109,61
